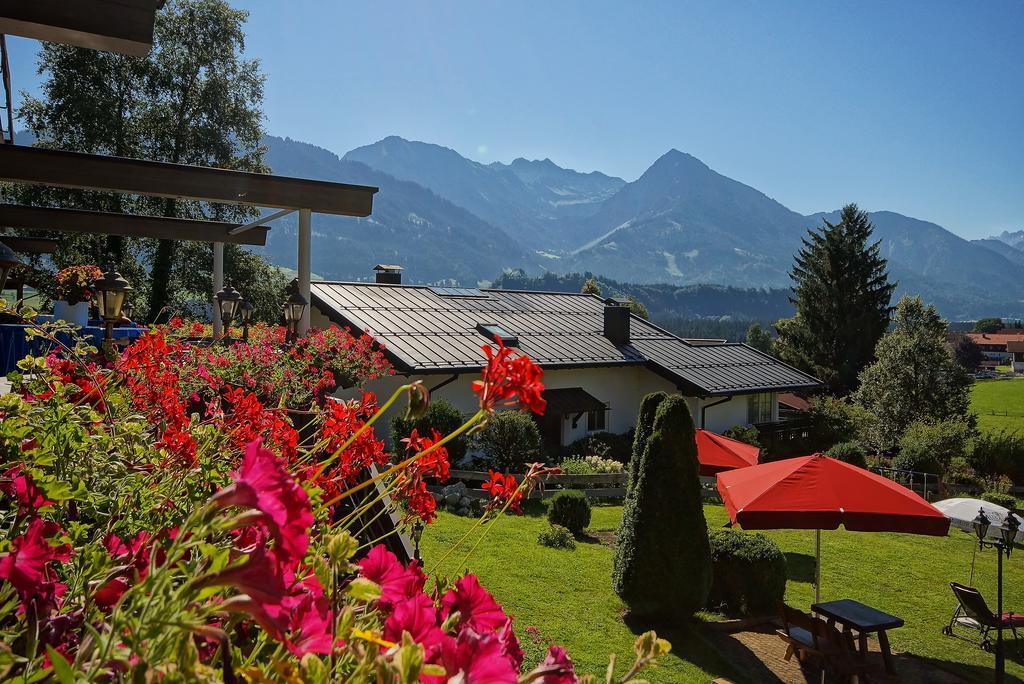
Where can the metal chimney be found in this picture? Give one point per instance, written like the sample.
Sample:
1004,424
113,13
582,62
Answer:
616,321
389,274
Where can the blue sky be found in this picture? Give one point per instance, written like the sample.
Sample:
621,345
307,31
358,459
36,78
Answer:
915,107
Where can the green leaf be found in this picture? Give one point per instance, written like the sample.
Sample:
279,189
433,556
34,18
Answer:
61,667
362,589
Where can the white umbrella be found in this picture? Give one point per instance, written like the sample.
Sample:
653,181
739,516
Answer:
962,512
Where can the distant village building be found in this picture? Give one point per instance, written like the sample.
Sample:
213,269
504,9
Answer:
1003,348
599,360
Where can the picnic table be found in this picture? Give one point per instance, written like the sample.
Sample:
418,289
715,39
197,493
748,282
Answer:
854,616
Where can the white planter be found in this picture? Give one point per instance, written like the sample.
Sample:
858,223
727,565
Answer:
75,314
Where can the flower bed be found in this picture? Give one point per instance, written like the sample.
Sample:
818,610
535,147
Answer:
163,519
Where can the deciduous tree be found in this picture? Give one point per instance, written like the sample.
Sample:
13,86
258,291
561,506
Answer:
914,377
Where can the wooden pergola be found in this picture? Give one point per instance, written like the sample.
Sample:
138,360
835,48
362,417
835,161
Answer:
127,26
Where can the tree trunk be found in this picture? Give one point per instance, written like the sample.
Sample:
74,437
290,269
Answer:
163,263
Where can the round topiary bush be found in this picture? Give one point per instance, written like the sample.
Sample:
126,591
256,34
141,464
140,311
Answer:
748,573
557,537
571,510
849,452
509,441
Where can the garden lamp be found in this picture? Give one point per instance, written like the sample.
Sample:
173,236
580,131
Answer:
294,307
1003,545
417,534
228,299
8,260
127,309
245,310
111,292
981,524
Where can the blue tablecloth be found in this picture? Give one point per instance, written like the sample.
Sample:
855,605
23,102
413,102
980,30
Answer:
16,345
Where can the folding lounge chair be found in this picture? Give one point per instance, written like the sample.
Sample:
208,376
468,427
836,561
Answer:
973,613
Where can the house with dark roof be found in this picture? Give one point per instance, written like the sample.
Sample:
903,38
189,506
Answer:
599,359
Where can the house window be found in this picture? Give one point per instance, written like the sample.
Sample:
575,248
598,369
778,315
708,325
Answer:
596,420
759,408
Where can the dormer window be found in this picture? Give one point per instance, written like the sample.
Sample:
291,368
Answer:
495,332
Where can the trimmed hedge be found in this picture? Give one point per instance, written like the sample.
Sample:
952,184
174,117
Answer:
644,424
570,509
662,565
748,573
999,499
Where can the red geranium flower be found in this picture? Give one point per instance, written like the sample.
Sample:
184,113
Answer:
504,489
506,376
263,483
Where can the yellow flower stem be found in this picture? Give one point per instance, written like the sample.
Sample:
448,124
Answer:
412,459
348,442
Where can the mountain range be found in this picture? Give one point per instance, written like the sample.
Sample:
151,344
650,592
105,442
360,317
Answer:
448,219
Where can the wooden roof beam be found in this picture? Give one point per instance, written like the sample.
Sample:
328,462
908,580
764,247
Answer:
22,164
104,223
124,26
29,245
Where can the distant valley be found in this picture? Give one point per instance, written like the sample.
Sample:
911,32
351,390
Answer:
449,219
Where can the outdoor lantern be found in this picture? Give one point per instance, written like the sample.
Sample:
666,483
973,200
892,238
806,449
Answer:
228,299
1009,531
8,260
111,291
245,310
417,534
981,524
294,307
126,309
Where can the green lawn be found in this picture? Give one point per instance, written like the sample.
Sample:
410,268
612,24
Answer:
990,397
567,595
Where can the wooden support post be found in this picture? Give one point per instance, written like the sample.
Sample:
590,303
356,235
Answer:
305,235
218,284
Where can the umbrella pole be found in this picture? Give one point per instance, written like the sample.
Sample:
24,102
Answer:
817,566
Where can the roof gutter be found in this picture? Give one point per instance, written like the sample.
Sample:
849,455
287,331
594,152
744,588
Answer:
705,407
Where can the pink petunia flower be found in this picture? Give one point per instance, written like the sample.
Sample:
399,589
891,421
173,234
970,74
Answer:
416,615
396,581
263,483
558,667
20,487
477,608
27,568
477,659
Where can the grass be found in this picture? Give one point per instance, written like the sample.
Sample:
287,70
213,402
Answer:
992,397
567,595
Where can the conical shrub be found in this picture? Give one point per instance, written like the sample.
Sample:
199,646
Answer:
663,558
644,424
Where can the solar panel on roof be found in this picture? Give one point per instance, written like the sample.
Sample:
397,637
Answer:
464,292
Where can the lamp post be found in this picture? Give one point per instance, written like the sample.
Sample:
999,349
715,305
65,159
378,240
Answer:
417,534
1004,544
294,307
127,309
228,299
245,310
8,260
111,291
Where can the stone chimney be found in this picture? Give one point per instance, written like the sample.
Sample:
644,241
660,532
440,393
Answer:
616,321
389,274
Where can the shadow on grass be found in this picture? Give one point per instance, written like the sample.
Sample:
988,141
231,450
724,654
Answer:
689,644
535,508
800,567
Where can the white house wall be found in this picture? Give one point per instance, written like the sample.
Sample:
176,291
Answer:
621,387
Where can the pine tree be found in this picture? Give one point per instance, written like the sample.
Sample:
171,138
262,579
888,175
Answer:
759,338
662,564
842,295
644,423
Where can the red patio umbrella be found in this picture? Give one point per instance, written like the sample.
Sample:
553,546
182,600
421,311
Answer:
821,493
717,453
